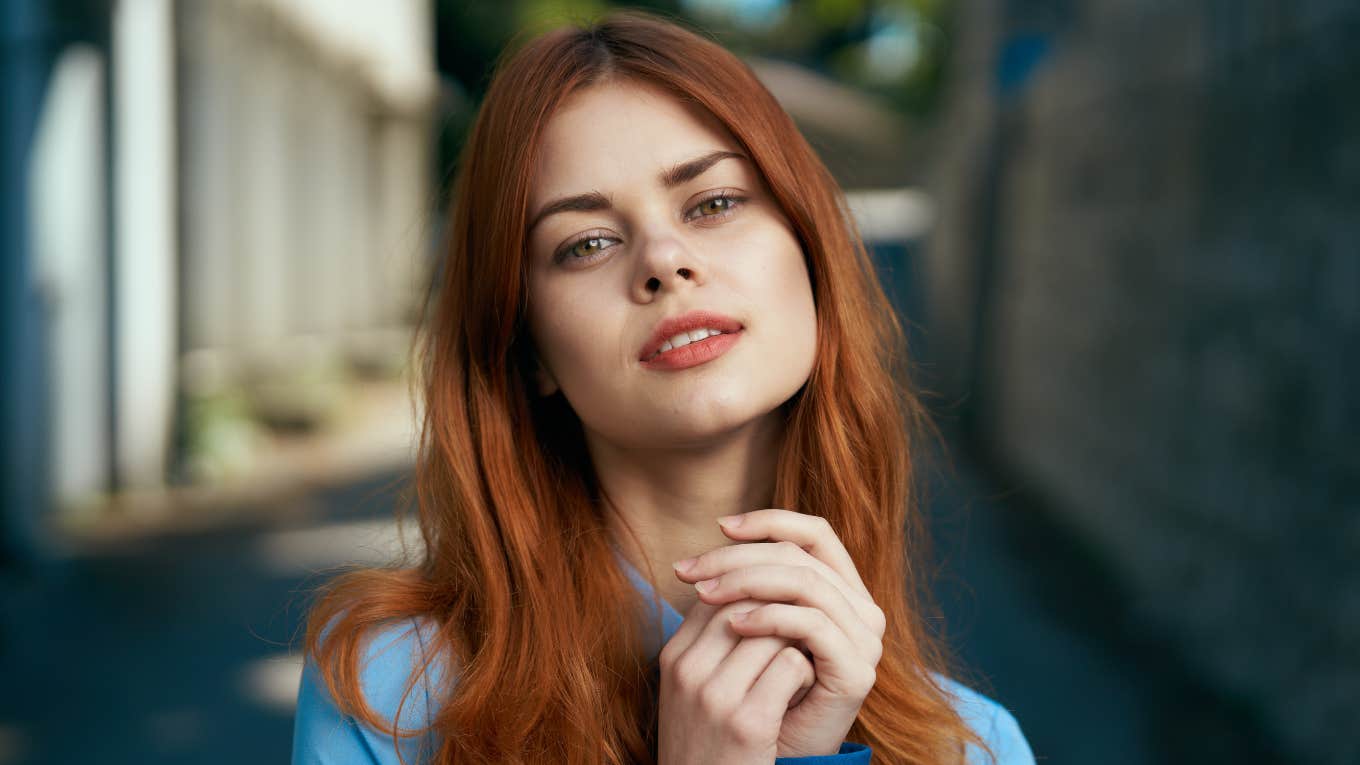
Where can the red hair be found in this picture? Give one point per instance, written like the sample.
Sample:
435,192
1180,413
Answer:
519,577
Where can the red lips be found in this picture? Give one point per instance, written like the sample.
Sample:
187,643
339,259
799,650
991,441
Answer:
686,322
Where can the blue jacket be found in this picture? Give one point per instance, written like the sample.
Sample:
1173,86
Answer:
323,736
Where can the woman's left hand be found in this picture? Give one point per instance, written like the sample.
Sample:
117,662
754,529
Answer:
815,597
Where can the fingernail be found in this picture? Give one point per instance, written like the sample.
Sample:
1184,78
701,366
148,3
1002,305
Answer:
730,521
681,566
741,617
706,586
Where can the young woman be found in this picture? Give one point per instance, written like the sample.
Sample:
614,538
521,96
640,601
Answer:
660,378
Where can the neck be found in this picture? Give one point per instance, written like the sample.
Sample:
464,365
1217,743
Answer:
671,497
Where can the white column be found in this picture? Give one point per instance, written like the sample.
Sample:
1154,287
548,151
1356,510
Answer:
144,230
66,186
209,154
267,259
400,240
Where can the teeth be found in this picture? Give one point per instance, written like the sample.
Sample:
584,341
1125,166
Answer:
685,338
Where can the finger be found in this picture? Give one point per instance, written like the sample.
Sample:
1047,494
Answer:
691,624
698,615
708,641
735,675
840,667
788,673
798,585
719,561
810,532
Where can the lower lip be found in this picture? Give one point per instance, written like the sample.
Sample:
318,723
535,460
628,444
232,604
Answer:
694,354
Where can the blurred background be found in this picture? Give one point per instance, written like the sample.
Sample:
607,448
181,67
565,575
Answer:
1124,233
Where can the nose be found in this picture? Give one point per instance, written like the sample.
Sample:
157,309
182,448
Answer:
666,264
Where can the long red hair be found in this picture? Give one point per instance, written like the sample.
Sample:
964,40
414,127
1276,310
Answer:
519,577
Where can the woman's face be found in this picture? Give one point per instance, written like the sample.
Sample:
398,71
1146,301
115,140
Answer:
643,210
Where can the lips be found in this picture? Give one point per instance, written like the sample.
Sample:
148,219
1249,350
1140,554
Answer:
686,322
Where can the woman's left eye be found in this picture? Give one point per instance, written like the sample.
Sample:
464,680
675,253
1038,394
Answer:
717,206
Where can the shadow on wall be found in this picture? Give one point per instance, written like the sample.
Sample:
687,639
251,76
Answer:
1141,282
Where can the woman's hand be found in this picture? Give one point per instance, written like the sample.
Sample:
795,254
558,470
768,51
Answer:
723,696
813,596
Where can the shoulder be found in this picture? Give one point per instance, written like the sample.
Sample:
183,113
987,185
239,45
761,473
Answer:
992,722
388,656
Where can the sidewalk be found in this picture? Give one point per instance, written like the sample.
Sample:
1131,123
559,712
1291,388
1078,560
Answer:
376,434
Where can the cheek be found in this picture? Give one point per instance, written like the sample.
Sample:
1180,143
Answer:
572,330
790,306
801,312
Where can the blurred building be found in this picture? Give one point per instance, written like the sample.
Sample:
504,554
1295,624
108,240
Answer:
221,212
1145,286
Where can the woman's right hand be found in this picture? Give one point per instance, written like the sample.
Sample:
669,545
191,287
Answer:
723,696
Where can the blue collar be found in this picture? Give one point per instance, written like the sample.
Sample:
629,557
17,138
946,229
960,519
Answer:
662,612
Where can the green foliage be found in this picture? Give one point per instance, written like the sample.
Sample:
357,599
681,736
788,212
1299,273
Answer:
893,48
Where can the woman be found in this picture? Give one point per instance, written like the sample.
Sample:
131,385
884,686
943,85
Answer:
657,338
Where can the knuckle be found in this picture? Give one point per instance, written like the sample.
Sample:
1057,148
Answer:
873,676
684,676
878,620
749,727
792,661
867,680
755,727
876,654
791,657
787,547
823,620
666,657
714,703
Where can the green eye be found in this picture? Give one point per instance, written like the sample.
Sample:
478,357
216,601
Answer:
587,247
715,206
584,249
718,206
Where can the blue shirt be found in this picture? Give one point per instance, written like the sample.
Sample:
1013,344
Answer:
324,736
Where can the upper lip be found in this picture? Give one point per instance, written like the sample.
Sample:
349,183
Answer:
686,322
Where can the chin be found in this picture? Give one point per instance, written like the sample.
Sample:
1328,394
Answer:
702,423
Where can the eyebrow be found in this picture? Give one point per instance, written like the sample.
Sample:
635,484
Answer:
670,178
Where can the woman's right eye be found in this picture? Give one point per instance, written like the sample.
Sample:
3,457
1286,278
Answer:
585,249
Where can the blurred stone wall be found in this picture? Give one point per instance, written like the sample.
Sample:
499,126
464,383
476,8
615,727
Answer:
1145,289
305,164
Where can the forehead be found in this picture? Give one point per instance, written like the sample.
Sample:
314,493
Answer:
617,133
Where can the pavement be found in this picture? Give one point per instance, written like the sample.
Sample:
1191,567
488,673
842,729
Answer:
1044,627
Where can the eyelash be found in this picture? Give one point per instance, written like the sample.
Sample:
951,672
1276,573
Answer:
733,203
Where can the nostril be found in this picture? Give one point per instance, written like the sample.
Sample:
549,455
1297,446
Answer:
653,284
684,273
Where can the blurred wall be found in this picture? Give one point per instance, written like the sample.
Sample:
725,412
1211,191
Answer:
1146,288
306,156
52,152
219,215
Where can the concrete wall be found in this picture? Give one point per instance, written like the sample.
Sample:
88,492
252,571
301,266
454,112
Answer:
1145,283
307,187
